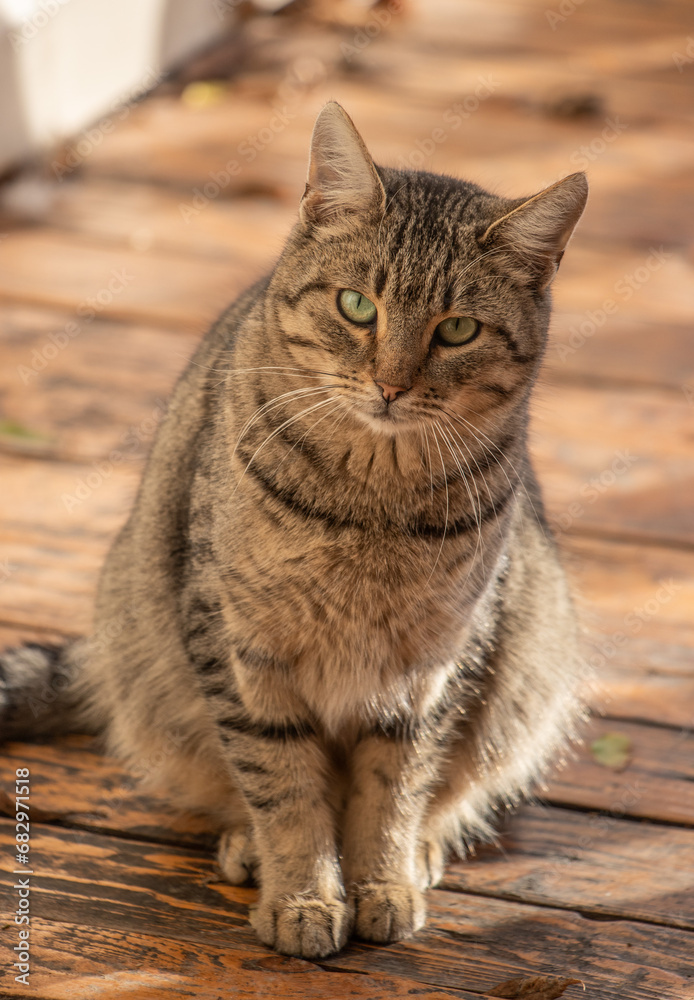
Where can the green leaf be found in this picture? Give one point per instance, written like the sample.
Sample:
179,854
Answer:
10,428
612,750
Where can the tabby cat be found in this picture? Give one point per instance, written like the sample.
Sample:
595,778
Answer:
336,617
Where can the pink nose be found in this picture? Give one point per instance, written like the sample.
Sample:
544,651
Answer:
390,392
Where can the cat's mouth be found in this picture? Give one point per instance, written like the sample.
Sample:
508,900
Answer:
386,418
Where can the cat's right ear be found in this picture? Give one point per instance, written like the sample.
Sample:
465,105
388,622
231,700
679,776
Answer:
532,238
342,179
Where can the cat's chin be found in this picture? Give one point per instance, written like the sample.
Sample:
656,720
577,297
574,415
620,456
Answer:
387,422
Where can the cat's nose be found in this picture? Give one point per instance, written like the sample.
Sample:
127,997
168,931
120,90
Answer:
390,392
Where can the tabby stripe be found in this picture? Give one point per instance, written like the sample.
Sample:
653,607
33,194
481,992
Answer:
301,342
215,690
289,499
208,668
379,280
262,804
492,455
466,523
266,731
499,390
310,286
513,349
250,767
257,658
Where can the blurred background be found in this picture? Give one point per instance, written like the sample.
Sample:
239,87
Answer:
152,157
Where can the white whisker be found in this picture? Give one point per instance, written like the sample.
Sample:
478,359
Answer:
277,430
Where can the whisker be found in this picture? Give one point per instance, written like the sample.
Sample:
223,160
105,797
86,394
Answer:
307,372
312,427
490,451
277,402
431,469
476,512
445,482
277,430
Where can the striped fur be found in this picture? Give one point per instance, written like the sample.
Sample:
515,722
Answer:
340,624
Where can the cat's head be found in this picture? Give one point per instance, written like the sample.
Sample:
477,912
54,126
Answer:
421,293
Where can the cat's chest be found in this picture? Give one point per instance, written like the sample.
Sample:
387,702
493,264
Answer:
354,604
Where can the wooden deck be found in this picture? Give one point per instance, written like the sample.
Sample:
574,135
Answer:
115,256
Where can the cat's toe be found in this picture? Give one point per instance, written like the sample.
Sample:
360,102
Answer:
430,863
236,855
302,925
388,911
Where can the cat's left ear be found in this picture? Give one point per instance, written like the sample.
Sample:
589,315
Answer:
534,235
342,179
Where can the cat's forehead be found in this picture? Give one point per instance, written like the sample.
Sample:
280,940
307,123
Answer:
428,234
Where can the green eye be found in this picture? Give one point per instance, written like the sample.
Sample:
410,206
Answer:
457,330
356,307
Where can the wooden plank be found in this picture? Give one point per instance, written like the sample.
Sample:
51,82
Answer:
70,960
619,459
60,517
600,864
595,863
657,784
217,148
649,680
100,395
616,460
148,217
93,279
74,783
470,942
604,350
630,590
52,542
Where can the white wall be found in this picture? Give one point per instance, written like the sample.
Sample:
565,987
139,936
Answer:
66,63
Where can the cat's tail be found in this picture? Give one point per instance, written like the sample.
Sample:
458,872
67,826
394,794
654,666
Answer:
39,691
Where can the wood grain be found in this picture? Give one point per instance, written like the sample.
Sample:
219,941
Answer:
73,961
469,942
596,883
596,863
657,784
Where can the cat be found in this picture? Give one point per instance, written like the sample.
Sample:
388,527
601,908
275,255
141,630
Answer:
336,617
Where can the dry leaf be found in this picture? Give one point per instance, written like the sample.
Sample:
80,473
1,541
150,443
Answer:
612,750
538,988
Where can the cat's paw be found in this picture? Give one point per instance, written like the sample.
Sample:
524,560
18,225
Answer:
303,925
430,863
236,855
387,911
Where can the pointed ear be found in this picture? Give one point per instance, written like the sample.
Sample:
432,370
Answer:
342,179
534,235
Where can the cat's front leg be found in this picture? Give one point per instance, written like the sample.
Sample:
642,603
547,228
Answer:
393,772
280,768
